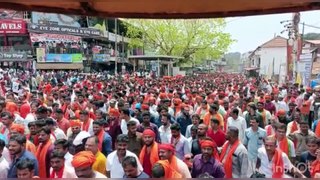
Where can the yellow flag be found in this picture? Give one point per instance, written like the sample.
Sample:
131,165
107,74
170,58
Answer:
298,79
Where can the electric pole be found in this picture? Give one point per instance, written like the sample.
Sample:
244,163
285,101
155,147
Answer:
116,47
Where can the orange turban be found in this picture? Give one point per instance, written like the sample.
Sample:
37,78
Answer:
17,127
162,95
168,147
177,101
149,132
267,97
11,107
144,107
281,112
83,159
75,123
114,112
208,143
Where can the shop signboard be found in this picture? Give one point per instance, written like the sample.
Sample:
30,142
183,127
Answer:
56,29
53,37
13,56
63,58
101,57
8,26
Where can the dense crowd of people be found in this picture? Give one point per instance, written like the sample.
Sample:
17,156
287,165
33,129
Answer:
72,125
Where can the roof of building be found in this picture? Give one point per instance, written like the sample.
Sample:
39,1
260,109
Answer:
164,8
316,42
277,41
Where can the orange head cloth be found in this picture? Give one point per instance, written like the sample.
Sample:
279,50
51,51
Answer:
149,132
281,112
83,159
162,95
168,147
114,112
75,123
18,128
208,143
11,107
145,107
213,145
169,172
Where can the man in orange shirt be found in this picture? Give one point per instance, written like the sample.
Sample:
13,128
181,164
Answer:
213,113
149,153
43,152
16,129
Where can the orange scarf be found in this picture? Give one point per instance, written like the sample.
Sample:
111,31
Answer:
207,119
294,127
277,165
41,156
31,147
154,155
85,125
100,137
170,172
284,146
228,160
173,163
264,115
318,130
315,168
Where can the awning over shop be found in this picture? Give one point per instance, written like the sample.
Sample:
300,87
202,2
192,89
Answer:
251,68
59,66
164,9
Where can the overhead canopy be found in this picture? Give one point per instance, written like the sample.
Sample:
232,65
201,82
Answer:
59,66
154,57
163,8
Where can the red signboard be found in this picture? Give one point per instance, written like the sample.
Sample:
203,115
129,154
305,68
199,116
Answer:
13,26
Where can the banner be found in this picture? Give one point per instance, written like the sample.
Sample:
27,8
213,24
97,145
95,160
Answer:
76,58
12,26
11,14
53,37
57,19
305,62
101,57
98,23
56,29
41,55
63,58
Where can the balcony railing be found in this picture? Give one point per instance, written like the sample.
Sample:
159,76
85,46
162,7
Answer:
18,49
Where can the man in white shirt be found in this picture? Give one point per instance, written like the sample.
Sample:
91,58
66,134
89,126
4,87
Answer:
267,158
62,145
279,103
164,129
125,118
238,122
114,159
4,165
57,132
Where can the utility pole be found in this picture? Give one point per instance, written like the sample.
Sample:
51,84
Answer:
293,52
116,47
295,49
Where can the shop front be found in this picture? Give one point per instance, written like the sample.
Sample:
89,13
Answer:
15,46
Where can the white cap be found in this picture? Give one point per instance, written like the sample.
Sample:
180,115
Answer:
82,135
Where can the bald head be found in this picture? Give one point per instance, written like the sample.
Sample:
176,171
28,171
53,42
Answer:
271,139
205,127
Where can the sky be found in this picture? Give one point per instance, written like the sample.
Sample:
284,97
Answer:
252,31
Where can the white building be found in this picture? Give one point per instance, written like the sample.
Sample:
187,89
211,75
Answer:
271,59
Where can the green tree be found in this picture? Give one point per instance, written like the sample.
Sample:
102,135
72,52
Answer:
194,40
